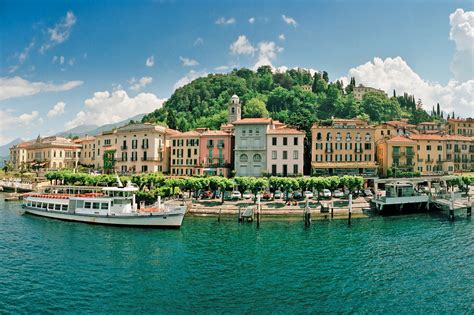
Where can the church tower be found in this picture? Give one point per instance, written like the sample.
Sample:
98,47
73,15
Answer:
235,109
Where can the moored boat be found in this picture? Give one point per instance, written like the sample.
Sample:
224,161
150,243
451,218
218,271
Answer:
109,206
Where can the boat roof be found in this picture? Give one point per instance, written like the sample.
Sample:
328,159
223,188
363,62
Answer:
128,188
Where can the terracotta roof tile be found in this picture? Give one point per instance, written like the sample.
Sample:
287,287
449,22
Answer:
253,121
285,130
400,139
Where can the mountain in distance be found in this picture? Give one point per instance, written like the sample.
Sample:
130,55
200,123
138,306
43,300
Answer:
93,130
5,149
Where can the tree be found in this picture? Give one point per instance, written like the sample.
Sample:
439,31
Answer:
255,108
438,111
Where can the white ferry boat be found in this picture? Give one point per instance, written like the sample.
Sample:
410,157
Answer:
109,206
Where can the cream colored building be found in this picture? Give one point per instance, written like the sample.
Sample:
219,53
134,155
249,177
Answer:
105,151
461,127
19,155
347,146
185,154
53,153
285,151
360,91
87,153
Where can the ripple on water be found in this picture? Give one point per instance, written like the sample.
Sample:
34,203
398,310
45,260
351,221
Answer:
415,264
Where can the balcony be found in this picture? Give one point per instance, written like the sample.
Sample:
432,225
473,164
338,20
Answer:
220,146
124,147
122,160
429,160
328,150
145,146
210,145
358,150
152,159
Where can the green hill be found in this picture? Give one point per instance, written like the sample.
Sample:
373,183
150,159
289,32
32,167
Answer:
280,95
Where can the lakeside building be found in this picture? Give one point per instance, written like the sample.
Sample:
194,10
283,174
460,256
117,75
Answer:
216,153
52,153
87,153
19,154
431,127
285,150
185,153
396,153
106,147
459,126
360,91
346,146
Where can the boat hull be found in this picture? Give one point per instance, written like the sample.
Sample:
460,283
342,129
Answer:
157,219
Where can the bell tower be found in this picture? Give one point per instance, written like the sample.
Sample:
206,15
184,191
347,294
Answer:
235,109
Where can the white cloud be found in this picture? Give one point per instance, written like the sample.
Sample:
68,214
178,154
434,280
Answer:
242,46
22,56
281,37
224,21
267,52
137,85
198,41
60,32
110,107
252,20
462,33
187,62
72,61
18,87
190,76
56,110
150,61
10,121
61,60
395,73
289,20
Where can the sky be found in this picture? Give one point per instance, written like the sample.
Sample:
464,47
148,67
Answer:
68,63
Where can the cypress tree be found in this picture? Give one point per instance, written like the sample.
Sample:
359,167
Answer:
438,111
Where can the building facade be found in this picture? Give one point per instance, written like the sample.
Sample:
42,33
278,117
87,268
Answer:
347,146
360,91
87,153
53,153
397,154
215,153
285,151
185,154
250,157
461,127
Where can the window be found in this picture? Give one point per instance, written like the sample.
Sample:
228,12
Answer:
338,136
368,146
50,206
295,154
274,141
57,207
274,155
87,205
80,204
319,137
244,158
104,206
440,148
285,155
95,205
285,141
295,141
274,169
64,208
295,169
428,147
257,158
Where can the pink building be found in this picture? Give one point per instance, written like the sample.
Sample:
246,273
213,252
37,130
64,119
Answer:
215,153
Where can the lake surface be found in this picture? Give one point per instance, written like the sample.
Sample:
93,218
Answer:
409,264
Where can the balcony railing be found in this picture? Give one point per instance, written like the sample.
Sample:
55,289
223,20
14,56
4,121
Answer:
145,146
124,147
329,150
358,150
150,158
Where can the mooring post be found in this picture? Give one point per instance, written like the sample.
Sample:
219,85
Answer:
240,215
258,210
332,211
219,217
350,209
307,213
451,207
469,206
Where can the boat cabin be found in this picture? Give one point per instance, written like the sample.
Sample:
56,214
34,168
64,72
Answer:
395,190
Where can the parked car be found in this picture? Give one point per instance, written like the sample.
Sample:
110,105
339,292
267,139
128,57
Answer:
247,195
308,194
218,194
297,195
206,194
227,195
368,193
267,196
338,193
277,194
236,195
325,193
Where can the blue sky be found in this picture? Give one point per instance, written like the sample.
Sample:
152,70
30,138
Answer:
55,55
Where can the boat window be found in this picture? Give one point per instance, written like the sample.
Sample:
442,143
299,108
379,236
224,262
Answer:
112,203
79,203
57,207
50,206
33,204
95,205
44,205
64,207
104,206
87,205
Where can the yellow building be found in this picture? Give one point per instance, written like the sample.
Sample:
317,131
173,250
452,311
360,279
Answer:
347,146
397,153
463,127
19,155
360,91
53,153
185,154
87,153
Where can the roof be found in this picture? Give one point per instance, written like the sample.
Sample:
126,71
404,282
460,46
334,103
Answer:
210,133
186,134
86,138
353,164
172,132
439,137
25,144
461,120
285,131
250,121
400,139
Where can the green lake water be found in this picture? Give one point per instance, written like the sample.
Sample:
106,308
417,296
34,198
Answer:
407,264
